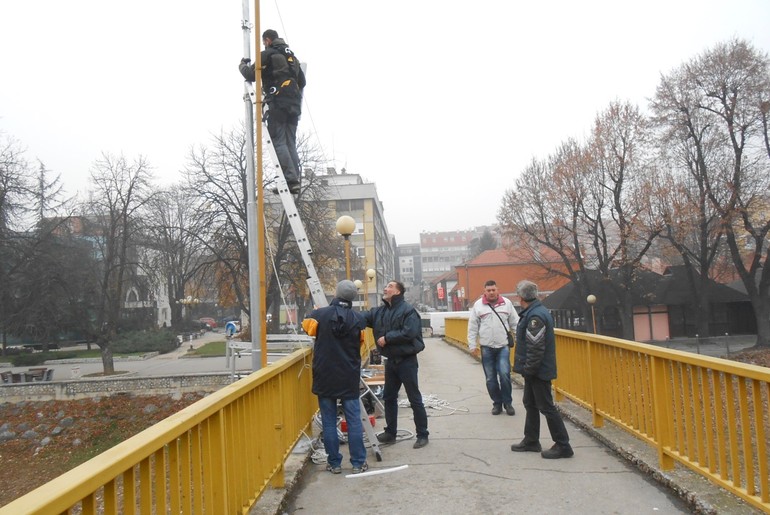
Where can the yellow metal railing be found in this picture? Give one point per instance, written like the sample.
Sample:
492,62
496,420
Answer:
218,455
709,414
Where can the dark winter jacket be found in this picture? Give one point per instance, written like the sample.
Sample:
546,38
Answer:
336,353
535,353
282,77
401,326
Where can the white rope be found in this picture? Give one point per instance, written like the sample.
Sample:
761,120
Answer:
434,403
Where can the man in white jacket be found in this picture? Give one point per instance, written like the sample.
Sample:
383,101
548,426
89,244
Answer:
492,317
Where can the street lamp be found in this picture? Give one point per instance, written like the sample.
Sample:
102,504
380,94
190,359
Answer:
345,226
188,303
591,299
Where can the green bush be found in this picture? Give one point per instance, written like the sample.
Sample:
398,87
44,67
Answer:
145,341
38,358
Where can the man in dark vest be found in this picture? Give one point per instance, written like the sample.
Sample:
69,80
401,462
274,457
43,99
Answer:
283,82
535,359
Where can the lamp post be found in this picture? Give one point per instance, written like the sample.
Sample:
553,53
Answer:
591,299
370,274
345,226
358,284
187,305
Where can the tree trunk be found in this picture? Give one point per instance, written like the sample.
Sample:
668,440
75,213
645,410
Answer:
762,313
107,362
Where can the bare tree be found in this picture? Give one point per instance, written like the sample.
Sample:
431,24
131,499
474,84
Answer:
218,174
174,230
589,205
623,226
120,190
730,84
692,152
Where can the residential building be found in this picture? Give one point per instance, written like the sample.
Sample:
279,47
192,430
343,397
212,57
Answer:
507,268
371,243
409,270
442,251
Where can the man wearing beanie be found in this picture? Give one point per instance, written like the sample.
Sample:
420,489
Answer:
398,332
338,332
535,359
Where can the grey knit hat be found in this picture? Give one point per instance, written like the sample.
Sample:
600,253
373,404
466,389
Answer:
346,290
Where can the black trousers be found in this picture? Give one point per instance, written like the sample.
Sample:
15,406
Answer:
539,399
403,373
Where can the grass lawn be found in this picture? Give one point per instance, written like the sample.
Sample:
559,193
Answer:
210,350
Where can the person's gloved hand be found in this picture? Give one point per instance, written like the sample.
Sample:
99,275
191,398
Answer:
245,60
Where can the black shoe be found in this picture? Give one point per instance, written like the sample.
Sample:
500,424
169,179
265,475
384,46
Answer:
525,446
497,409
294,188
334,469
421,442
558,451
386,437
509,410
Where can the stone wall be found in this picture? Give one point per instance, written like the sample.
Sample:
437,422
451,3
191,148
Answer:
87,388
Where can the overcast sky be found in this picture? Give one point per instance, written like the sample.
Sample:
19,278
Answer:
441,103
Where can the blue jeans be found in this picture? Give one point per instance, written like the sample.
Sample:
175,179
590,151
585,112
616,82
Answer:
352,410
497,369
403,373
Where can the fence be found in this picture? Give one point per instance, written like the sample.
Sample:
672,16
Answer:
709,414
215,456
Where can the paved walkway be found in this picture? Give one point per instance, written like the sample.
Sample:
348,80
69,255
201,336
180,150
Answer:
468,466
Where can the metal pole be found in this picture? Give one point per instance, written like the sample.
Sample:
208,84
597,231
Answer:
347,257
251,204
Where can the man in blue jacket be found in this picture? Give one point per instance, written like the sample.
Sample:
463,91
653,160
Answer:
535,359
338,332
397,331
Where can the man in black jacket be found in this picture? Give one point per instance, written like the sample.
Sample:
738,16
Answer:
398,332
282,84
337,372
535,359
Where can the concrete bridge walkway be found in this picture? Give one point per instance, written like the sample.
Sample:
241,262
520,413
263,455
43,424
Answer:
468,466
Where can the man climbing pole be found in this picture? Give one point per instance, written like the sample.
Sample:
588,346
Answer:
282,84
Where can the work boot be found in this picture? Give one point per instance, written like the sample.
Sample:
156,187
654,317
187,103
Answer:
421,442
509,410
386,437
526,446
557,451
497,409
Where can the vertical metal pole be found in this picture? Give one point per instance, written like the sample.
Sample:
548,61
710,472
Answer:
251,205
347,257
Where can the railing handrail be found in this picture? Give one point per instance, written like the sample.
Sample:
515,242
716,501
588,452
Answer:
80,483
709,414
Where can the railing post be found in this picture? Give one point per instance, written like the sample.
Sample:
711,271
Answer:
593,365
661,401
279,415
